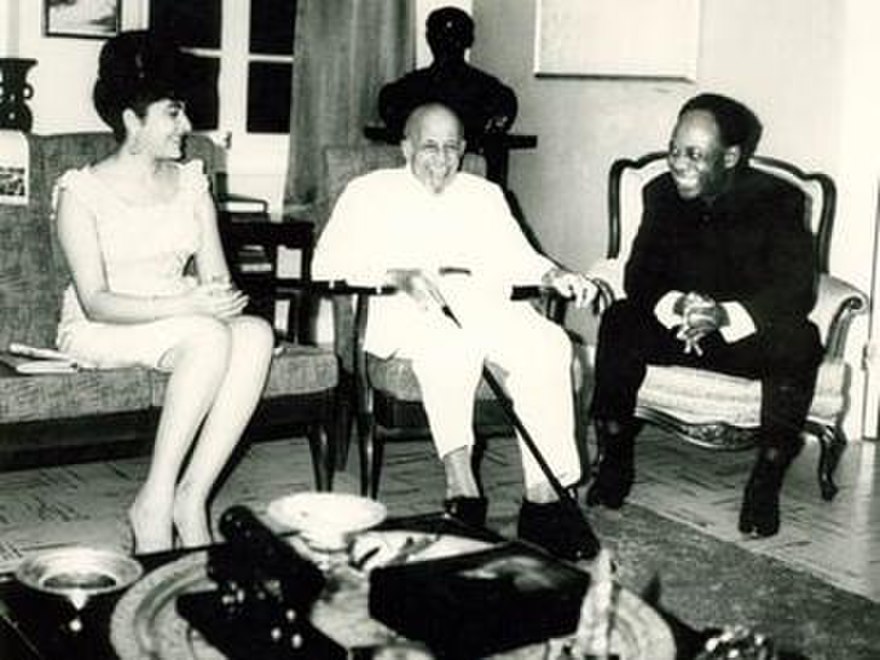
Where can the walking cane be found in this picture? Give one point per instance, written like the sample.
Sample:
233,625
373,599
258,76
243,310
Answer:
507,407
565,497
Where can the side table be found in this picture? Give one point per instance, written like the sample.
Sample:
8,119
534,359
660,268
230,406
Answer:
261,280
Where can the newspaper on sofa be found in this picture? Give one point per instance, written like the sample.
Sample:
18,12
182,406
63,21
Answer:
32,360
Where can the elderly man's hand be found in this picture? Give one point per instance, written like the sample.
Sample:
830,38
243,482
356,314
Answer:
418,286
569,284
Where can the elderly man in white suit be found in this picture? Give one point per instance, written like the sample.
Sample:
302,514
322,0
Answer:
447,238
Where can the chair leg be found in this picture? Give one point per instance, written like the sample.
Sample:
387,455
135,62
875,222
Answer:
832,443
323,456
345,407
378,458
343,426
370,462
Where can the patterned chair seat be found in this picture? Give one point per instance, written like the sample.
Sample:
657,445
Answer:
704,398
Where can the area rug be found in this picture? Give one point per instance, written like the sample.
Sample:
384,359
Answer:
694,578
708,584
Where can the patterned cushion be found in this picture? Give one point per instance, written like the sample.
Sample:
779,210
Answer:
297,370
698,396
29,306
59,396
395,376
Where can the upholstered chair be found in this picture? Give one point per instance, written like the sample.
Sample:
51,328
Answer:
719,411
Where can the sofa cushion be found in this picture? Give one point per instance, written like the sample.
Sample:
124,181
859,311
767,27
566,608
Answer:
697,396
29,307
296,370
61,396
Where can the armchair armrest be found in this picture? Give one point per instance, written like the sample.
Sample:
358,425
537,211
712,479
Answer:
351,308
837,303
608,276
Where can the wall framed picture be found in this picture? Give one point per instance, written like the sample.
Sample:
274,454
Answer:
85,19
656,39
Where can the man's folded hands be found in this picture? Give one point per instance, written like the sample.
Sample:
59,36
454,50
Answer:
701,316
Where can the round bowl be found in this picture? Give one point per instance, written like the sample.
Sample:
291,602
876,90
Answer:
77,572
326,520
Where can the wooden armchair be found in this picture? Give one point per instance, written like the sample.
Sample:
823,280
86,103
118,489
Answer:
719,411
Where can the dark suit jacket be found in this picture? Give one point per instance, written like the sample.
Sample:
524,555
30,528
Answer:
751,245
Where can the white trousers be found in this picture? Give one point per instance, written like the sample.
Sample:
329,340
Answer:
535,356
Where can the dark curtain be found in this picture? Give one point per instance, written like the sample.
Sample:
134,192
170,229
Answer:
344,51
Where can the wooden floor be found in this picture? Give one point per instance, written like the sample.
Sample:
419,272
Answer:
838,541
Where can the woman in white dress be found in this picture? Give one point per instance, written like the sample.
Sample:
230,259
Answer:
128,226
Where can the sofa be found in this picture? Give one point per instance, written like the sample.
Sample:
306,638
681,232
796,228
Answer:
61,417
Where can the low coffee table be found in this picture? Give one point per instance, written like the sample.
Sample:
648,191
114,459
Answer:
143,622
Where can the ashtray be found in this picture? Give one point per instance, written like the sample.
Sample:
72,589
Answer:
78,573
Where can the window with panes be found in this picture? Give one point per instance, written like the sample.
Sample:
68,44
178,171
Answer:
246,46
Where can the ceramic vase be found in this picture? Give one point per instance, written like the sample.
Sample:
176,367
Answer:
14,91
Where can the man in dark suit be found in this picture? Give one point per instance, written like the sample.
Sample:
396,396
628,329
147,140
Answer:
722,276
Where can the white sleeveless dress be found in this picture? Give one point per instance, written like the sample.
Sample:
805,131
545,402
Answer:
145,249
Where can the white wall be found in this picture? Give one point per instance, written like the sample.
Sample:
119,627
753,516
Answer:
66,67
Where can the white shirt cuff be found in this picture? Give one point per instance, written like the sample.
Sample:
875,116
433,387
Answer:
741,323
663,310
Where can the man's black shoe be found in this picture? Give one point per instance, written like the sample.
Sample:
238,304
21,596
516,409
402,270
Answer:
469,510
558,527
612,483
616,474
759,514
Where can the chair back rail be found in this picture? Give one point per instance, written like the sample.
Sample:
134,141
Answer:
628,176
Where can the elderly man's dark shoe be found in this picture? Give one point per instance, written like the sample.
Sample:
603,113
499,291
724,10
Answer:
559,528
469,510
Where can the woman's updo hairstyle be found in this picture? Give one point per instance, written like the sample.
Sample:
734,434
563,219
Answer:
136,69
